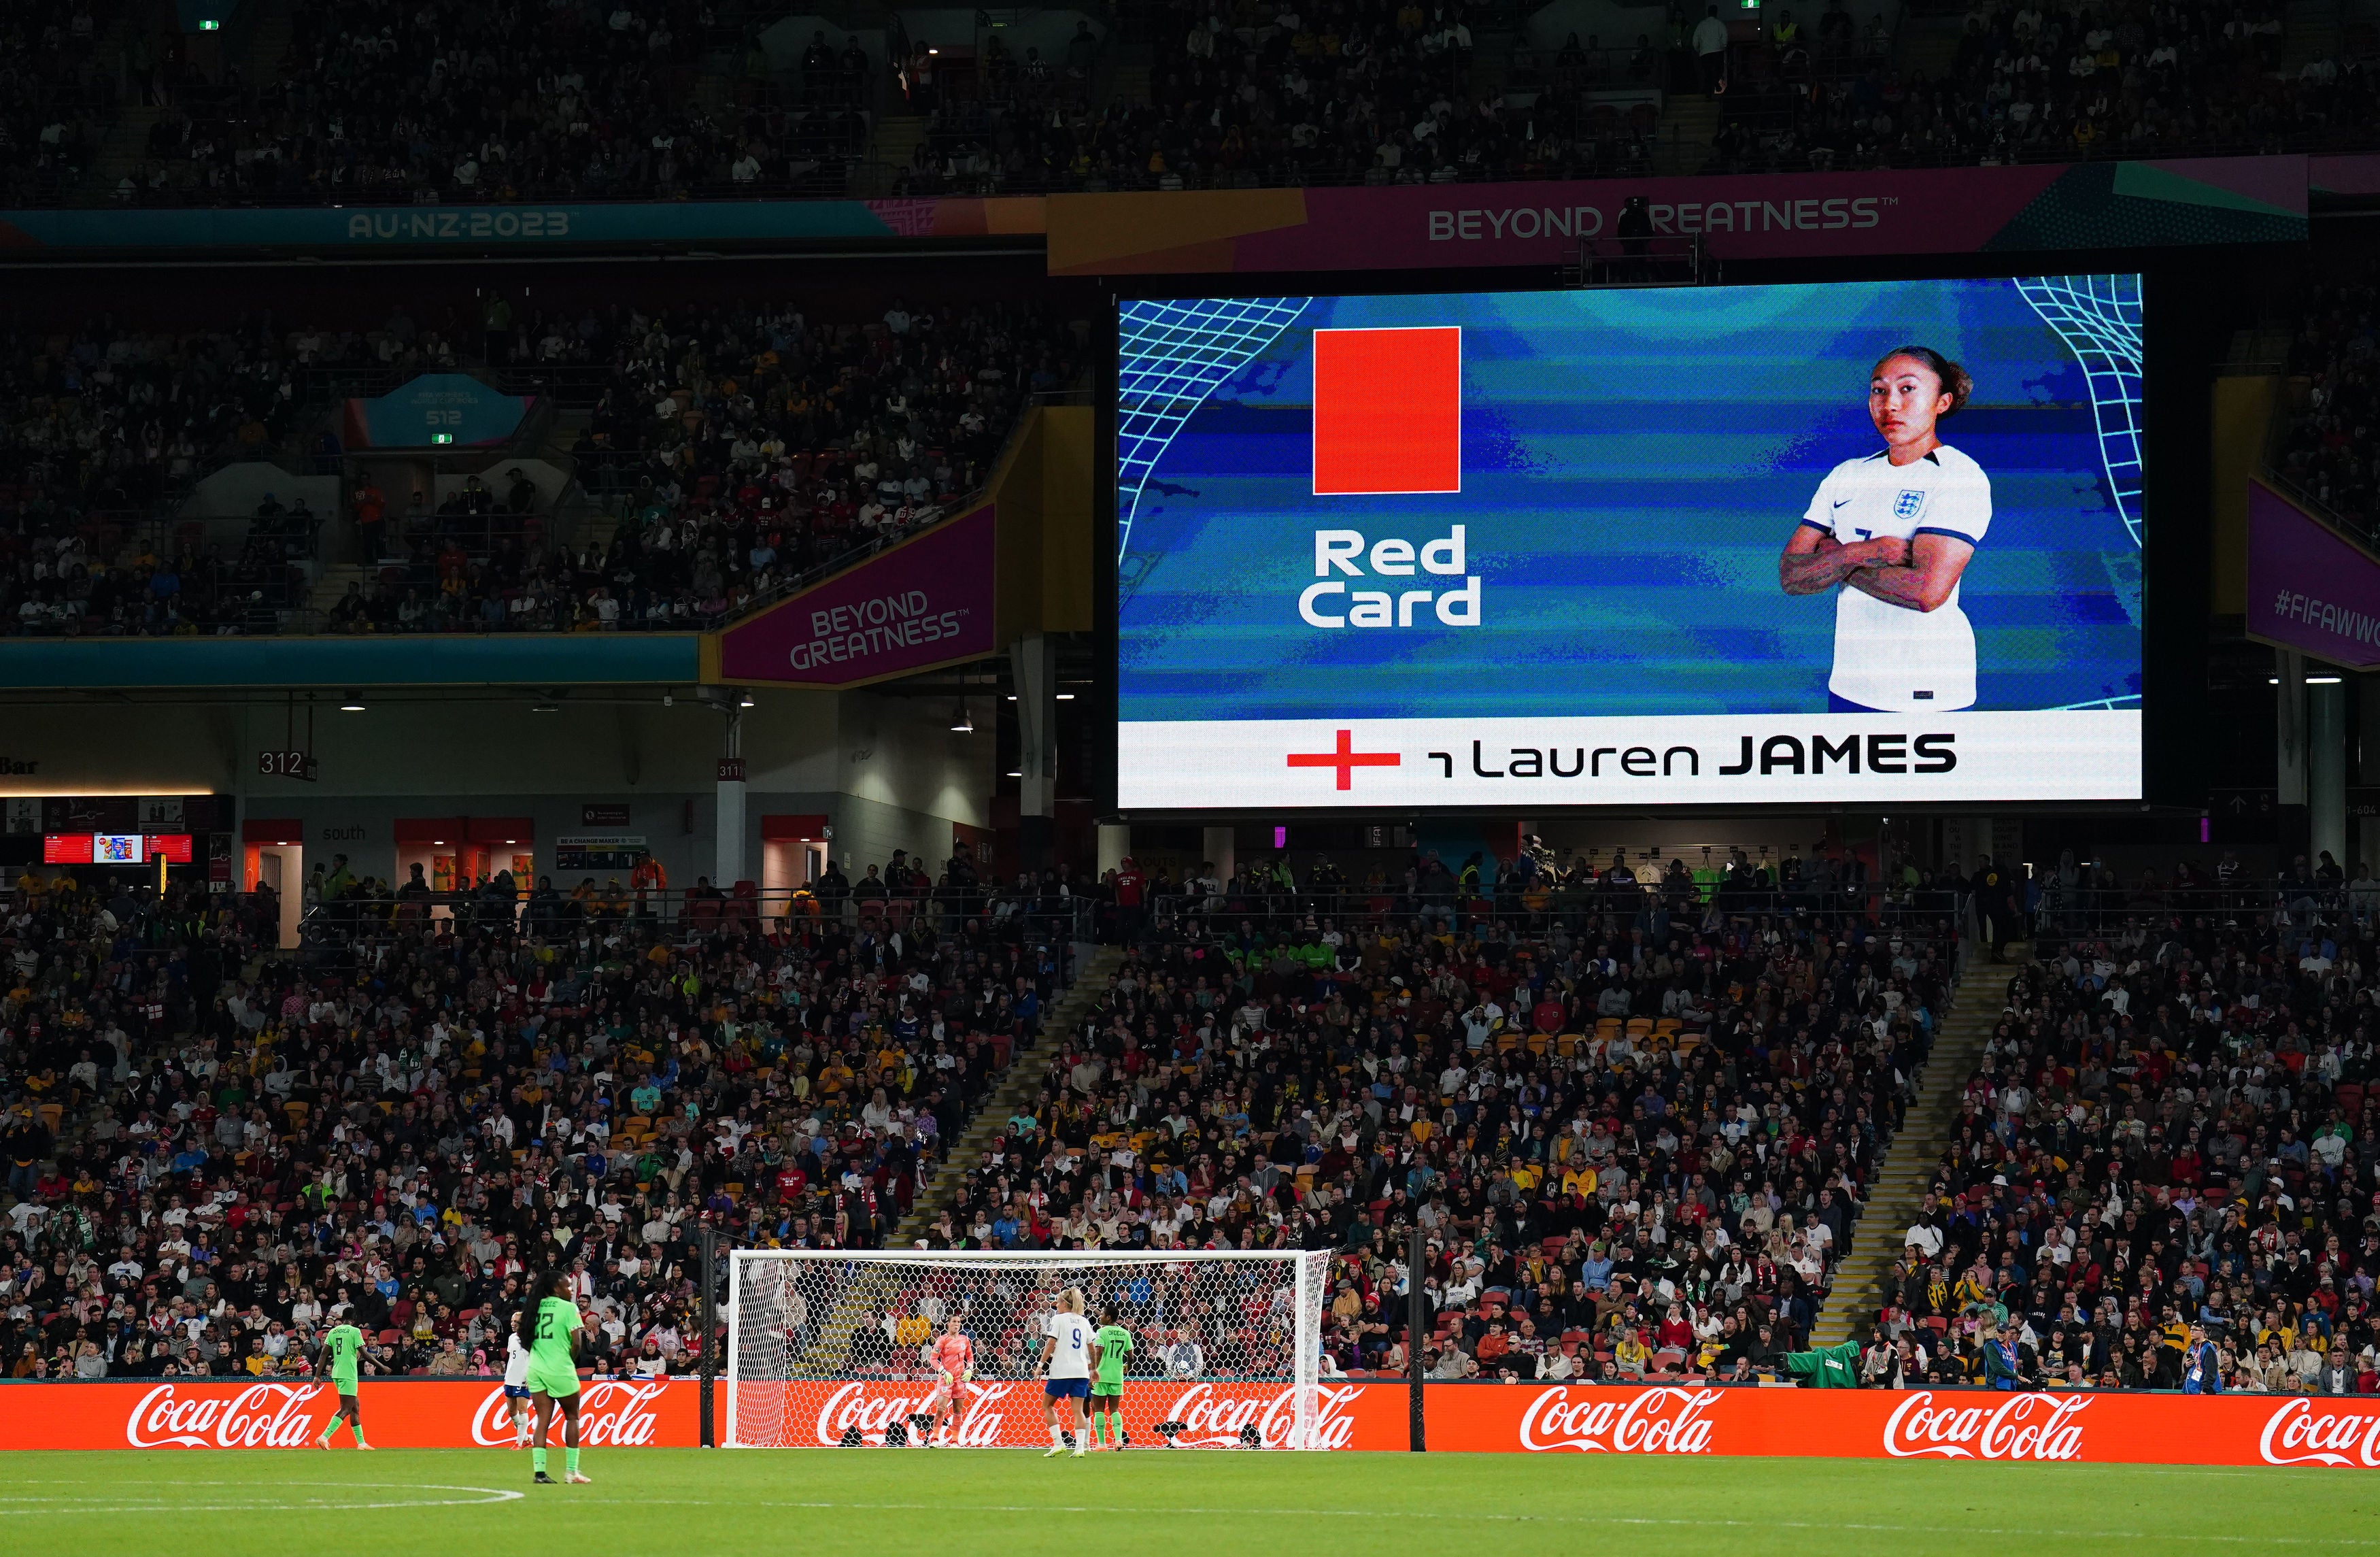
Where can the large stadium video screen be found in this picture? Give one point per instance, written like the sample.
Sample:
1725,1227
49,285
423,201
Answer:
1874,542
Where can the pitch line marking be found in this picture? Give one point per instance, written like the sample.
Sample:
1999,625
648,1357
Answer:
1516,1519
131,1501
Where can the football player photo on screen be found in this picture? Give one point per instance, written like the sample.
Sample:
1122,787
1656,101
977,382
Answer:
1890,533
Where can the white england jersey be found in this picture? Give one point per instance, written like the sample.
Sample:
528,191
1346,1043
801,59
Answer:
516,1361
1073,1332
1885,656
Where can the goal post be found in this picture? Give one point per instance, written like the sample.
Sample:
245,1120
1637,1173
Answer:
831,1348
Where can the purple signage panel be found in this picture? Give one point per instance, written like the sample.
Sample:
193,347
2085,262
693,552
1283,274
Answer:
927,602
2035,207
2309,588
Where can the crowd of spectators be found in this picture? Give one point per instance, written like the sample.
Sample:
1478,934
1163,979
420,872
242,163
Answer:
744,445
110,417
380,103
1339,92
2033,81
2327,446
57,94
2163,1172
215,1150
1635,1131
104,429
1635,1134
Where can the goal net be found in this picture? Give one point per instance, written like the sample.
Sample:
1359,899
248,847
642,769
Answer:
836,1347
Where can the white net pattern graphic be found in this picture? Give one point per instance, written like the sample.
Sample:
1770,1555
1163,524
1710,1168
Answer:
838,1348
2098,317
1170,356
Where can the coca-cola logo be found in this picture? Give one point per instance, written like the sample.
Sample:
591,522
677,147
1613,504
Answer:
258,1417
1655,1421
2296,1434
856,1405
2019,1426
1213,1419
612,1413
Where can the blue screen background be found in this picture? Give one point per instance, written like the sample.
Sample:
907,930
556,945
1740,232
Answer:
1634,462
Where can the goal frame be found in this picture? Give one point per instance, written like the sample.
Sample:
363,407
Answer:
1308,1296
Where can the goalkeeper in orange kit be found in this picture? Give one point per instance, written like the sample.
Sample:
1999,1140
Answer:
953,1364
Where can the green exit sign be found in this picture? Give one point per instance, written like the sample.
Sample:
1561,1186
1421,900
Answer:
211,25
441,437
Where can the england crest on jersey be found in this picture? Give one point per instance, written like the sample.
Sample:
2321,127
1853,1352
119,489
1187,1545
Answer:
1905,506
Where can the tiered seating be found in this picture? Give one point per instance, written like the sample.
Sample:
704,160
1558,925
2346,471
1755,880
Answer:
441,1098
1636,1140
2032,82
2330,366
744,445
2172,1128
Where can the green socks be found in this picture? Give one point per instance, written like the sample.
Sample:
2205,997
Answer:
537,1461
570,1462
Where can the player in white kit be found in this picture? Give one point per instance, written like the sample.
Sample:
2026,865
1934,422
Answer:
517,1386
1891,534
1066,1373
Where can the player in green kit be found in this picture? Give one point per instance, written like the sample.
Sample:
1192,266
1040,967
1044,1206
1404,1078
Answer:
1114,1343
557,1331
339,1352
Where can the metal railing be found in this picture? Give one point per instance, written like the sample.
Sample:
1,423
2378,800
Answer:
597,901
2059,913
834,179
1570,904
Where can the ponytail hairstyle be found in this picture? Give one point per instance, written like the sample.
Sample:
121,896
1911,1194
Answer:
1956,382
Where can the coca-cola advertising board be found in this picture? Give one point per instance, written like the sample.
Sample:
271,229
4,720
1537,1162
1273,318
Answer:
1007,1414
275,1414
2084,1426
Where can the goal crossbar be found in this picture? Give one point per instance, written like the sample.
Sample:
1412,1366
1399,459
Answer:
838,1347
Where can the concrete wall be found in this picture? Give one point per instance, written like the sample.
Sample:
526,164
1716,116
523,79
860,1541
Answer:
887,771
1050,32
1620,25
786,39
238,487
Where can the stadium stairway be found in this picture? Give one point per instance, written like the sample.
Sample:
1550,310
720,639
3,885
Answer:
1928,46
889,152
1019,1088
2311,31
1907,1171
1690,123
123,149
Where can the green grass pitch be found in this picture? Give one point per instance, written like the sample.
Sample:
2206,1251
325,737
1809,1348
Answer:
478,1502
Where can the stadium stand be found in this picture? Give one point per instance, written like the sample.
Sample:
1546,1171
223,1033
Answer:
727,450
2029,82
343,104
1636,1124
214,1147
2170,1136
363,103
211,1145
2334,410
